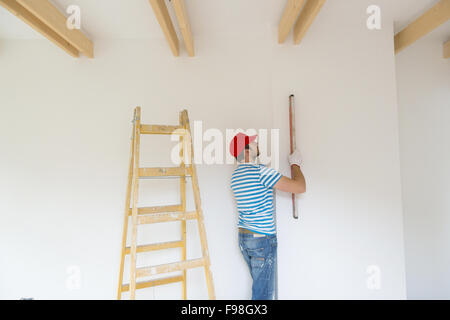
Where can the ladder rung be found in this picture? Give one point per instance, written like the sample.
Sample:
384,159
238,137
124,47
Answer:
153,283
156,246
164,172
161,129
170,267
165,177
157,209
167,217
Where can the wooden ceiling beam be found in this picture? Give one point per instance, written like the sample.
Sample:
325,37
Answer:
447,50
430,20
185,26
26,16
307,16
46,12
163,17
290,14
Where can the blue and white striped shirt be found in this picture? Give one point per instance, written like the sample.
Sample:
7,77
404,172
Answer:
252,185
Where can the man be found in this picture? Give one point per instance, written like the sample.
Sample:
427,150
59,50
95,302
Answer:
252,185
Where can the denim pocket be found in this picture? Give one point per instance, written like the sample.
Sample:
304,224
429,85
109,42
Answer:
257,260
257,264
256,253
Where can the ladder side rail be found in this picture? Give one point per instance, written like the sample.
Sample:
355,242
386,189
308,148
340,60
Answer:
183,207
127,209
134,215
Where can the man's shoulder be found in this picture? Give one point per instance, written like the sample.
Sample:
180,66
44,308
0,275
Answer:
264,168
244,169
246,166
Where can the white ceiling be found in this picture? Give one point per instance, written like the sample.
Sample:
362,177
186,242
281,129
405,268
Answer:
130,19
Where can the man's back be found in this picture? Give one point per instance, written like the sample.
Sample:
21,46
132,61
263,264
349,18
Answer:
252,186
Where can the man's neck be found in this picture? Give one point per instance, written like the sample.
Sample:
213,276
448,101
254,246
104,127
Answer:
254,161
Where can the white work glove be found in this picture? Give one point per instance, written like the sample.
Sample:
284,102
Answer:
295,158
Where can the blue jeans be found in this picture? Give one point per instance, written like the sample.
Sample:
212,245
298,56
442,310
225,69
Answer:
260,253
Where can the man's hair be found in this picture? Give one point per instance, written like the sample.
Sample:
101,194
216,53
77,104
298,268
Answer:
241,155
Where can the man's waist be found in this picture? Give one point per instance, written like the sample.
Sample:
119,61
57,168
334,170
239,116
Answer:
242,230
254,234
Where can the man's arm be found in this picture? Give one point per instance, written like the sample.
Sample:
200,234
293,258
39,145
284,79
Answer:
295,185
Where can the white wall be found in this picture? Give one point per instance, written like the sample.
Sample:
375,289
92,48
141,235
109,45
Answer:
344,80
424,107
64,136
64,170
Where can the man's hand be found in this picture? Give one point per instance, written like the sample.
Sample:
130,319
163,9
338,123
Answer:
295,158
297,183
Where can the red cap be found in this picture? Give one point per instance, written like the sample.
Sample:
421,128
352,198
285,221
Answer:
239,142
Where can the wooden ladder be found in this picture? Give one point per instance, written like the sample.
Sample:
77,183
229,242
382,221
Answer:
168,213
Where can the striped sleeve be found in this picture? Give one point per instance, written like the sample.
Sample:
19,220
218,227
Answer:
268,176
